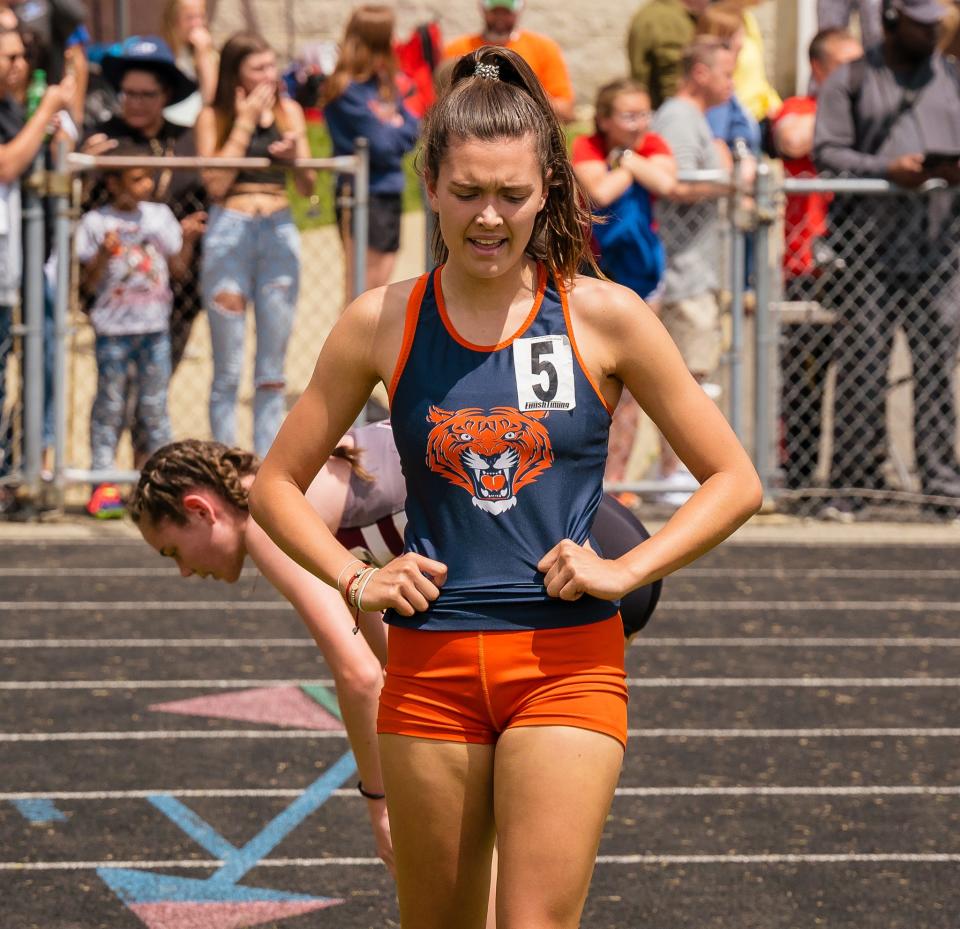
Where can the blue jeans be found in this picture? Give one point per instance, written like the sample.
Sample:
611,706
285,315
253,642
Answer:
256,258
122,359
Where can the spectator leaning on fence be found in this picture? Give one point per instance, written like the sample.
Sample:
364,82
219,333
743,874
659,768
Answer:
622,167
690,223
147,79
185,31
805,347
729,120
500,22
251,247
128,250
20,141
361,99
894,114
659,32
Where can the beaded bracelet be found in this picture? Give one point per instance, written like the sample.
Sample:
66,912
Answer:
349,564
363,587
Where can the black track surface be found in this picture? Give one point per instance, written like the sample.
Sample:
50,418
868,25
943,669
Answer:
899,594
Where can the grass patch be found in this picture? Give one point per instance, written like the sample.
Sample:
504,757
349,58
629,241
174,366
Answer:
320,211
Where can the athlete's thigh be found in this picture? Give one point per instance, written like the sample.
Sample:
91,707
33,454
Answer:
440,801
553,788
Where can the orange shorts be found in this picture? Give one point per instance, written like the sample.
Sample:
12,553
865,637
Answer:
471,686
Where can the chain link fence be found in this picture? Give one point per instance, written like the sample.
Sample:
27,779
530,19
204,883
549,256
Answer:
320,283
866,311
836,340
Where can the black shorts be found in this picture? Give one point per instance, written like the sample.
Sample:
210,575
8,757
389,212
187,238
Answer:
617,530
383,225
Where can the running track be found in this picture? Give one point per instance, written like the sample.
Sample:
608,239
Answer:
794,757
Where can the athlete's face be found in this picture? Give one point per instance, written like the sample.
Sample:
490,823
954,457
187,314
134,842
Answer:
488,195
209,544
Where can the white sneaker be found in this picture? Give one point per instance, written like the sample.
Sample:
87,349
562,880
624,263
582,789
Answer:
680,487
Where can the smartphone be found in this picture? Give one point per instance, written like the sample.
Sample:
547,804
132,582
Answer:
932,160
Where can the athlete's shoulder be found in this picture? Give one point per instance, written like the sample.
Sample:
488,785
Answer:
603,301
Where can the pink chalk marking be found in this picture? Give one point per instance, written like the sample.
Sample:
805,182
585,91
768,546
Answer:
221,915
279,706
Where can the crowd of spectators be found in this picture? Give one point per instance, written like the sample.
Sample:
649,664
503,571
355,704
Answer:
159,247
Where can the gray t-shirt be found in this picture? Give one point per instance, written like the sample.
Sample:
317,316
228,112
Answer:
133,295
689,231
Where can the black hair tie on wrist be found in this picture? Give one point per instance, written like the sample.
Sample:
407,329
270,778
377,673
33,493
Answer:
369,794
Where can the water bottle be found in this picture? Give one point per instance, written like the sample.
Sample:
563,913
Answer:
35,91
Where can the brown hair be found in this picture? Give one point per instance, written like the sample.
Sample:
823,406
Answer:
171,12
512,106
179,467
366,51
607,95
702,51
191,464
723,20
237,48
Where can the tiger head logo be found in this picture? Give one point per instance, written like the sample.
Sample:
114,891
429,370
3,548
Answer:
491,455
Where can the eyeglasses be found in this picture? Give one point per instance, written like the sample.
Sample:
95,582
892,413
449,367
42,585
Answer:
140,96
632,116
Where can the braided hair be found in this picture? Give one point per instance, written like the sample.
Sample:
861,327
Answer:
190,464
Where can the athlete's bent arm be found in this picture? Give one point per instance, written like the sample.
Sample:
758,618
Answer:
623,343
357,674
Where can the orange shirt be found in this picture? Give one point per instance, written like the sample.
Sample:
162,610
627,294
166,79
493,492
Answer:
542,54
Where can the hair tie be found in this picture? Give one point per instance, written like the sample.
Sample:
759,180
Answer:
487,71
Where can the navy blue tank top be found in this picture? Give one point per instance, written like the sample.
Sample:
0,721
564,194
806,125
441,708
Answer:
503,450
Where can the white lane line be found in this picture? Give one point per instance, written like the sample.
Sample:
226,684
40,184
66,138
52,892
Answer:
794,682
830,573
121,606
795,642
742,606
650,641
879,573
640,682
161,685
149,735
812,606
99,571
289,792
192,863
153,735
161,643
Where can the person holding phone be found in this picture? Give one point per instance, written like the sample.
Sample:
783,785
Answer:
251,247
877,117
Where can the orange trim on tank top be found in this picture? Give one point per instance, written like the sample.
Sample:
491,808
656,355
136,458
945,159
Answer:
409,330
576,351
452,332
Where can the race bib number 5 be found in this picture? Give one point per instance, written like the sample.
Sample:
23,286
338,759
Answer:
544,372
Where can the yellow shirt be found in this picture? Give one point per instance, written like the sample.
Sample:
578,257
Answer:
750,76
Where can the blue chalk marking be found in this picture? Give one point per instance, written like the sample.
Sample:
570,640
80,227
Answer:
133,886
200,831
281,826
39,811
